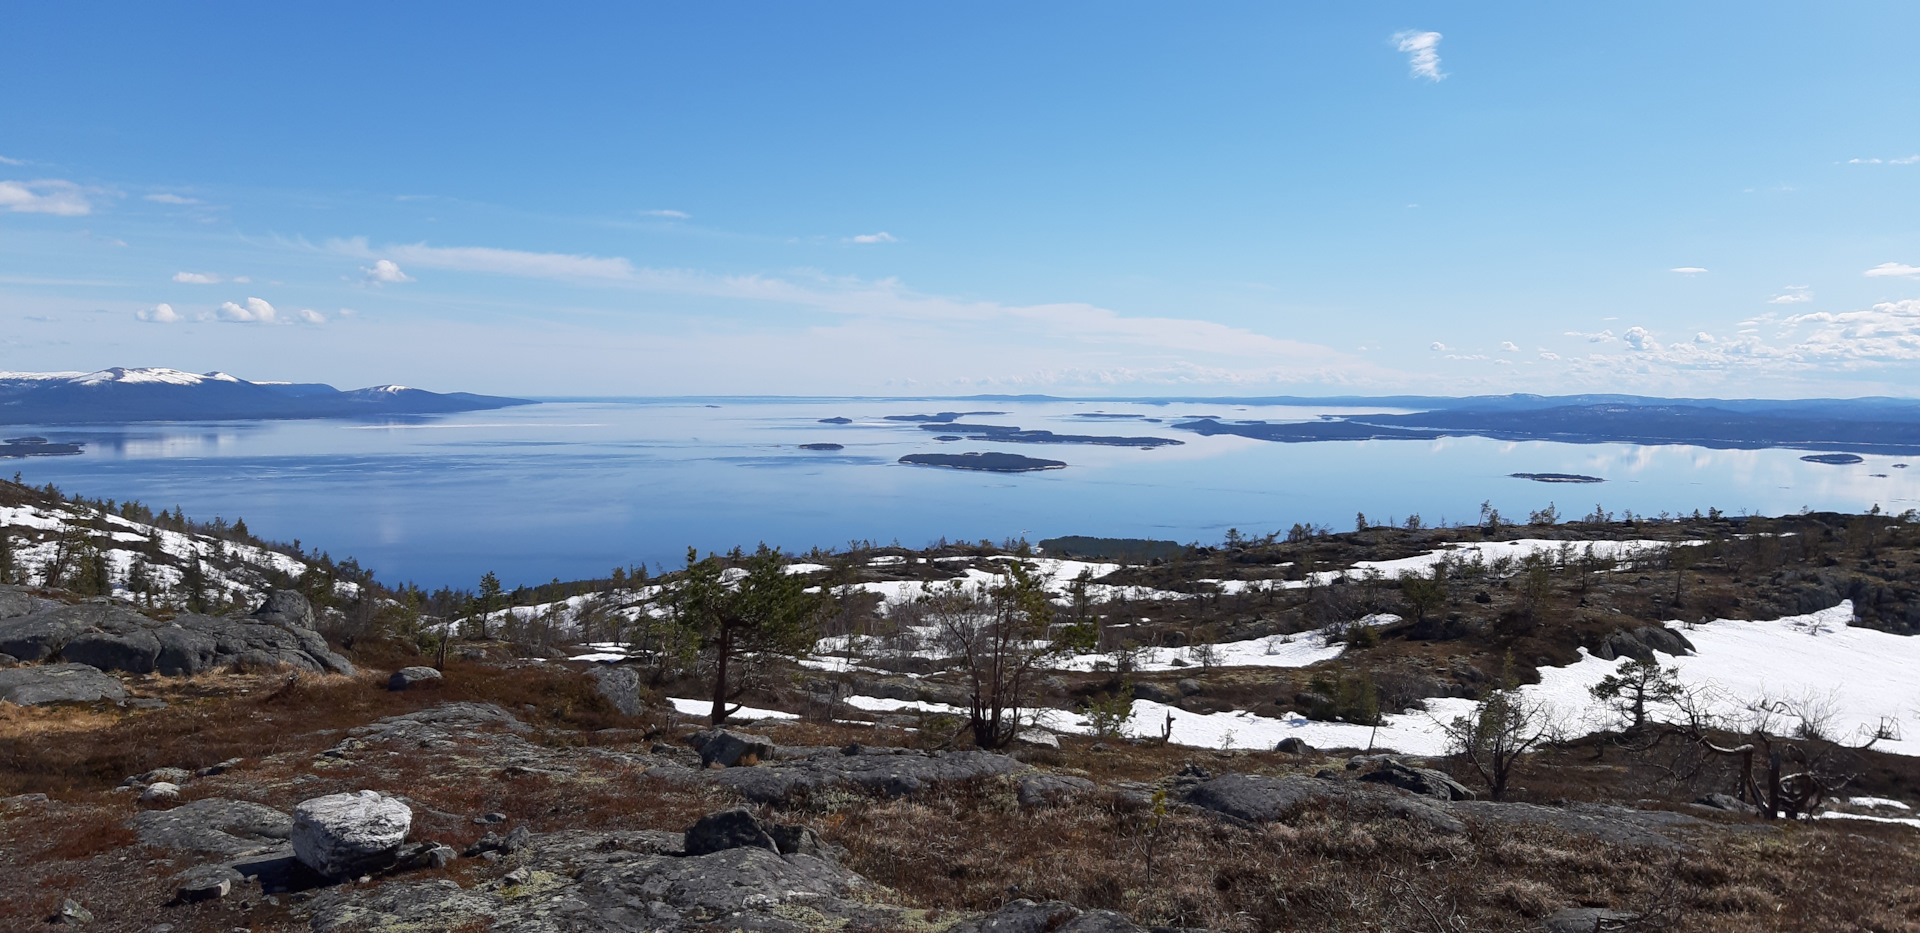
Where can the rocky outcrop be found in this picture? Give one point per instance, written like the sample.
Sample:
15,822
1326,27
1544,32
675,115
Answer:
114,638
58,683
727,748
1641,643
1051,790
214,826
1257,798
341,834
625,881
1025,916
886,772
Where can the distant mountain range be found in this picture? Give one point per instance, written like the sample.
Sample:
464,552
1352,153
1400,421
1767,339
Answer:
152,394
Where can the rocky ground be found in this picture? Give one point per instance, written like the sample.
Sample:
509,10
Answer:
517,798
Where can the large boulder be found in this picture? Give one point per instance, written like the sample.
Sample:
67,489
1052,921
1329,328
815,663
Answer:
620,684
286,607
727,748
411,677
728,829
1426,782
58,683
341,834
1663,639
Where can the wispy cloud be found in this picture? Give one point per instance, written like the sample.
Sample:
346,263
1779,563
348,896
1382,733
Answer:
1792,295
495,261
1423,53
881,237
159,314
1687,270
1892,268
1905,160
6,161
164,198
1508,346
196,278
384,271
675,215
46,196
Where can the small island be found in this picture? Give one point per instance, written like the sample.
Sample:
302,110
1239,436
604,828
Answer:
36,447
949,437
1558,477
987,462
1834,459
836,420
823,447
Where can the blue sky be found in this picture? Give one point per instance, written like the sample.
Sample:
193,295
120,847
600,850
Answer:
869,198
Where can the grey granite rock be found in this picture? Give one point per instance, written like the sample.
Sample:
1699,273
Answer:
58,683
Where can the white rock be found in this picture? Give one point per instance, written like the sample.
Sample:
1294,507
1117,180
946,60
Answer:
340,834
160,792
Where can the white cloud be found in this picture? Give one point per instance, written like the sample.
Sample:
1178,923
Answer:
158,314
1687,270
1794,294
310,316
881,237
1549,355
44,197
6,161
256,311
1437,347
675,215
1905,160
164,198
244,280
1423,53
384,271
1508,346
1605,336
1703,337
1639,338
1893,268
196,278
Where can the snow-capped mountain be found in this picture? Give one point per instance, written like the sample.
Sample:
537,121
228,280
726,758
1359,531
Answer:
160,394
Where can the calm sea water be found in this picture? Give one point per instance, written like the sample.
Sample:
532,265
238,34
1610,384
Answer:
572,489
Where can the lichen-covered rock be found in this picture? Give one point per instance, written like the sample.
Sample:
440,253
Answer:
340,834
621,685
58,683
